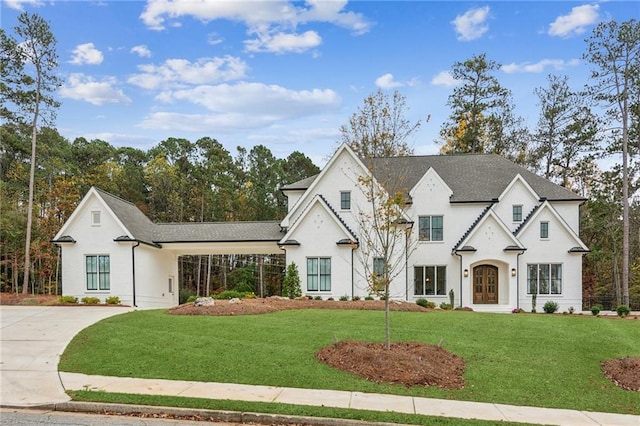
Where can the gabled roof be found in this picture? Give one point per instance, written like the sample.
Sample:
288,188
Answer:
300,185
471,177
484,216
139,226
319,200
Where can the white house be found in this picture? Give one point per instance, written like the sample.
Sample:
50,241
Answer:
488,230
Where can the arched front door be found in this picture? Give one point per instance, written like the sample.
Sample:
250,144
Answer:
485,284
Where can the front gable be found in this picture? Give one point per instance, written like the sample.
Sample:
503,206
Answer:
560,233
340,174
318,222
92,216
431,190
490,233
517,193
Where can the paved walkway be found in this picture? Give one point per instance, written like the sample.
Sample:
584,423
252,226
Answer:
32,339
344,399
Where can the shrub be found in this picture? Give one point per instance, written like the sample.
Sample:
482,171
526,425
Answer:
550,306
185,295
445,306
230,294
344,298
330,298
68,299
191,299
318,298
368,298
291,283
90,300
465,308
517,310
622,311
112,300
571,310
355,298
425,303
595,309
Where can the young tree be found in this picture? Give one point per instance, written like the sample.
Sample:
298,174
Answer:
291,283
614,52
379,128
477,107
29,81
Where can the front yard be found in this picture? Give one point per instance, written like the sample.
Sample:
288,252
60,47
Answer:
522,359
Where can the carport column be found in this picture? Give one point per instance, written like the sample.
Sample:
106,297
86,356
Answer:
133,270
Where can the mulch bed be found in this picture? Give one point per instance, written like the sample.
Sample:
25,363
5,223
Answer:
624,372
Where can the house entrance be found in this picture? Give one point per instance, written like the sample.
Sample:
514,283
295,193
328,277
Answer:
485,284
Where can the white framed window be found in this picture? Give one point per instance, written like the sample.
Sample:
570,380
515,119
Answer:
345,200
517,213
95,218
430,228
98,272
318,274
544,278
430,280
544,230
170,284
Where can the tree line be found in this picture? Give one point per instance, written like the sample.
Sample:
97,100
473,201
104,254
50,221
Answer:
179,180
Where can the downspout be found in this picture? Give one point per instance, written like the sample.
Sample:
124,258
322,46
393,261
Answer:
285,264
460,256
406,267
518,279
133,270
353,290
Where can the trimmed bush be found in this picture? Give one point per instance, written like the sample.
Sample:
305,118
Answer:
344,298
425,303
368,298
622,311
355,298
112,300
230,294
595,309
90,300
68,299
317,298
446,306
550,306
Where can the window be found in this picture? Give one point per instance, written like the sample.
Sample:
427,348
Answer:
97,272
430,280
345,200
170,284
517,213
318,274
544,278
430,228
544,230
378,273
95,218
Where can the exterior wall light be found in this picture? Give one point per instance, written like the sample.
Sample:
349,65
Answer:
513,272
466,272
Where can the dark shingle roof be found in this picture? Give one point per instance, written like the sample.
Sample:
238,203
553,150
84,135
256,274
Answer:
300,185
471,177
131,217
217,231
144,230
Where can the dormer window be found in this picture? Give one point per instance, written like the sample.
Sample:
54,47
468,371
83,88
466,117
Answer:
345,200
95,218
517,213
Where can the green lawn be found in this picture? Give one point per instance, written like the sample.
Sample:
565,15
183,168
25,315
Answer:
522,359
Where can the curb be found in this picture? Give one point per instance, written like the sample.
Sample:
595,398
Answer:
205,415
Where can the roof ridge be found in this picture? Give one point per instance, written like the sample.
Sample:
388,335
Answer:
103,192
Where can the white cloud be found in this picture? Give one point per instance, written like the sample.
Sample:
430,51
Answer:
472,24
181,71
387,82
141,50
540,66
270,102
17,4
575,22
85,88
86,54
444,78
281,42
240,106
254,13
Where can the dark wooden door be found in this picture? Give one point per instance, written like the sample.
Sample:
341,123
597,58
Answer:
485,284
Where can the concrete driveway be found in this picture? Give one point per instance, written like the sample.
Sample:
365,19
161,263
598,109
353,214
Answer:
32,338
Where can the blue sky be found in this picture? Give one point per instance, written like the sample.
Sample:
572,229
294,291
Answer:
288,74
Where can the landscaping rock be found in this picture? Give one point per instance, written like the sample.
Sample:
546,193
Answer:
204,301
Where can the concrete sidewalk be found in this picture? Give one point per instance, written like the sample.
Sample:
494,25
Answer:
345,399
